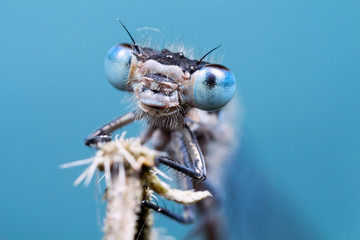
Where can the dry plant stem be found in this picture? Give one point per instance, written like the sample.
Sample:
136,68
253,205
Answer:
180,196
130,176
120,221
145,221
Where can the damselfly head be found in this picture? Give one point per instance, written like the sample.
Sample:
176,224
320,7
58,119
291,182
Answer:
168,84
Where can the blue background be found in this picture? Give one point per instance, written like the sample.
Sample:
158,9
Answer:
297,66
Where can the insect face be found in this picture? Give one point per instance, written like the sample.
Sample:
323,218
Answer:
167,84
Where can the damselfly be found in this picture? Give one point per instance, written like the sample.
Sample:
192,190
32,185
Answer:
180,98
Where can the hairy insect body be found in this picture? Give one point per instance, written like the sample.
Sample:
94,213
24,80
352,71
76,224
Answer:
216,140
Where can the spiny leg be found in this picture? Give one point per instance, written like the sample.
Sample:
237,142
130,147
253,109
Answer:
186,218
188,215
198,169
103,134
147,134
178,167
194,151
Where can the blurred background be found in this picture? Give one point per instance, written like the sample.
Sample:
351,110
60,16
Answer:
297,64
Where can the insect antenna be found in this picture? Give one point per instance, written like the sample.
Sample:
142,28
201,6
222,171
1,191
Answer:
132,39
199,61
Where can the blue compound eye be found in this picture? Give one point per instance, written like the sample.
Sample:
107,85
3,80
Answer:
117,65
214,87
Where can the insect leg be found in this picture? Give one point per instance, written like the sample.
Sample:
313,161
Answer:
198,170
147,134
194,152
103,134
186,218
178,167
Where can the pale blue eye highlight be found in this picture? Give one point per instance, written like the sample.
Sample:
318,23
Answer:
117,65
214,87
